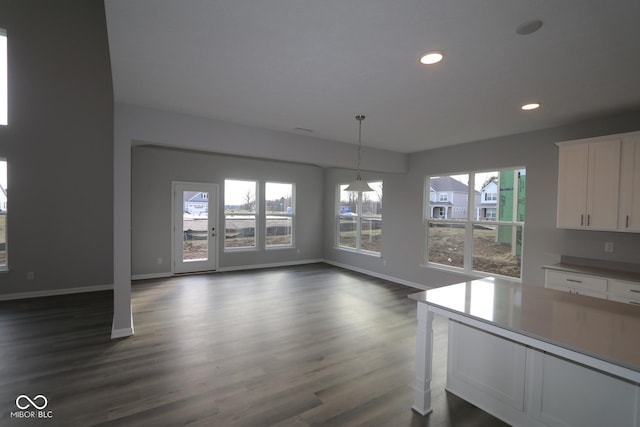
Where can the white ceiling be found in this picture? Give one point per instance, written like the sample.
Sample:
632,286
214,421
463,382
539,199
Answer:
315,64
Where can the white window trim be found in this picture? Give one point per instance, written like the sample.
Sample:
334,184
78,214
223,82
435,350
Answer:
292,215
359,218
255,215
4,79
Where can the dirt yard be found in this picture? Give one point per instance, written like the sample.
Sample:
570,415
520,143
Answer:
239,233
446,246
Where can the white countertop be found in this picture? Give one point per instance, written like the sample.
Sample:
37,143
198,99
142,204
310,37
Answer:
599,328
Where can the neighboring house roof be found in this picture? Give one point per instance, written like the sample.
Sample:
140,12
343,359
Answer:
492,180
446,183
194,196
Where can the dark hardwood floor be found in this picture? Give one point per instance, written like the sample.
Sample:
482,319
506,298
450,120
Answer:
297,346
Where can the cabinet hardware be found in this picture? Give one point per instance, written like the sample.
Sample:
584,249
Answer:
634,303
574,280
627,224
581,219
588,220
634,290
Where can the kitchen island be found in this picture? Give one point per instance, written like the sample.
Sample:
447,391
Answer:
533,356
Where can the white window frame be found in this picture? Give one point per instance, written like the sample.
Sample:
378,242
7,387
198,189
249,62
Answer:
291,215
359,219
443,197
470,221
255,214
4,80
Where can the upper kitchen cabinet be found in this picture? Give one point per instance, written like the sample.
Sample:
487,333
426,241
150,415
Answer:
588,184
599,183
629,219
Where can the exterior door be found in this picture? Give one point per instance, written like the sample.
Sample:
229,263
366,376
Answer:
195,223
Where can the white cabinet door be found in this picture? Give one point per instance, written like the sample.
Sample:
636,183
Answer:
565,394
572,185
630,185
603,186
588,184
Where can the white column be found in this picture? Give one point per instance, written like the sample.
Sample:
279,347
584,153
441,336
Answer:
424,357
122,314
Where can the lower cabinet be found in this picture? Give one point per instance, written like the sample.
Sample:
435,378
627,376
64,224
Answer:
593,286
527,387
621,291
566,394
576,283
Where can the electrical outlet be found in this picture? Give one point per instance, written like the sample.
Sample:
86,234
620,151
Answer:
159,261
608,247
30,275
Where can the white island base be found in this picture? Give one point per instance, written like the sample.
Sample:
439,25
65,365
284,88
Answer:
527,387
498,362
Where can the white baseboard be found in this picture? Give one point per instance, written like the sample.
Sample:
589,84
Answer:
276,264
379,275
54,292
151,276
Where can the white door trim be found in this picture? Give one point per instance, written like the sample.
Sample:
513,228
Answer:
177,266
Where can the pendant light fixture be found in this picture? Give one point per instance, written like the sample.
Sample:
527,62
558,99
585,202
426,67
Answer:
358,184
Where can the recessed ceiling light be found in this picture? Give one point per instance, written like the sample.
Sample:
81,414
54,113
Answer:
432,57
529,27
530,106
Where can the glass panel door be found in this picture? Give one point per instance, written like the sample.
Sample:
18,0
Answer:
195,242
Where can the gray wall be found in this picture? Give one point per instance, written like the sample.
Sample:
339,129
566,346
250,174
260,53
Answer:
59,146
403,236
154,169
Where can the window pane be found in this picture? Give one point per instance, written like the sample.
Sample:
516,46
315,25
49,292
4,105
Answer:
371,234
240,214
3,213
240,231
372,200
279,207
279,231
360,218
488,184
348,201
278,198
498,191
497,249
347,231
448,197
195,225
446,244
512,187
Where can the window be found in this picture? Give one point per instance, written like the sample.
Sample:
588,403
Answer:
3,79
240,213
359,219
3,215
443,197
482,232
279,209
